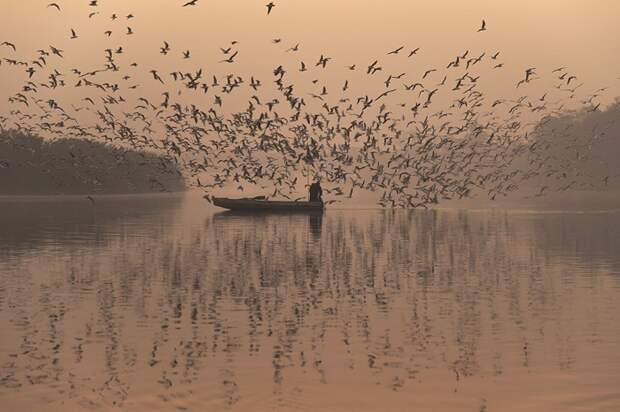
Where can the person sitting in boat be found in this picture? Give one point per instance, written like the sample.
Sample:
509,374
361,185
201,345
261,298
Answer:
315,191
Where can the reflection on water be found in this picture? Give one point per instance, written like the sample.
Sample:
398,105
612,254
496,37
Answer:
160,303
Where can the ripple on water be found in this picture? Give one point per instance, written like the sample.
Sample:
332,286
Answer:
166,305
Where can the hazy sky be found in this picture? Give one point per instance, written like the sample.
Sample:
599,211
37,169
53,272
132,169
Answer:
581,35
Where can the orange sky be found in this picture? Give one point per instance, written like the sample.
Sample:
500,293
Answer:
544,34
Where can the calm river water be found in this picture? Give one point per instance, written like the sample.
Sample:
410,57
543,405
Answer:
146,303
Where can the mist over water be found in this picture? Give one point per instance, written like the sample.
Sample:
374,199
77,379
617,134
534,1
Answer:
467,258
156,302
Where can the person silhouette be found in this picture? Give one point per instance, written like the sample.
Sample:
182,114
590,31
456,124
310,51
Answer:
316,192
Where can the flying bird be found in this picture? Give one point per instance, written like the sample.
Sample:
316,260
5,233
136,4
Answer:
56,51
483,27
414,51
372,68
396,51
231,58
294,48
164,50
156,76
11,45
529,72
426,73
54,5
270,6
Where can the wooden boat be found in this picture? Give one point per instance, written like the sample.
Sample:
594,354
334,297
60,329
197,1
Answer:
261,204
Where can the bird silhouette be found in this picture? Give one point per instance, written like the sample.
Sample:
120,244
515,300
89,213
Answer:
413,139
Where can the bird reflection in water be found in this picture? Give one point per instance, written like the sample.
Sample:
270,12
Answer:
285,305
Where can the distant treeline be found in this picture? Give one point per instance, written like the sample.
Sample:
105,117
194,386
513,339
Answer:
30,165
578,151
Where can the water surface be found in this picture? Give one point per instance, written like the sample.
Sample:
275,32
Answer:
144,303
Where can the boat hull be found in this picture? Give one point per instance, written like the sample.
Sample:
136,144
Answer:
257,205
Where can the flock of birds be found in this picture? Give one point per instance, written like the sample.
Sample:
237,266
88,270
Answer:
416,141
